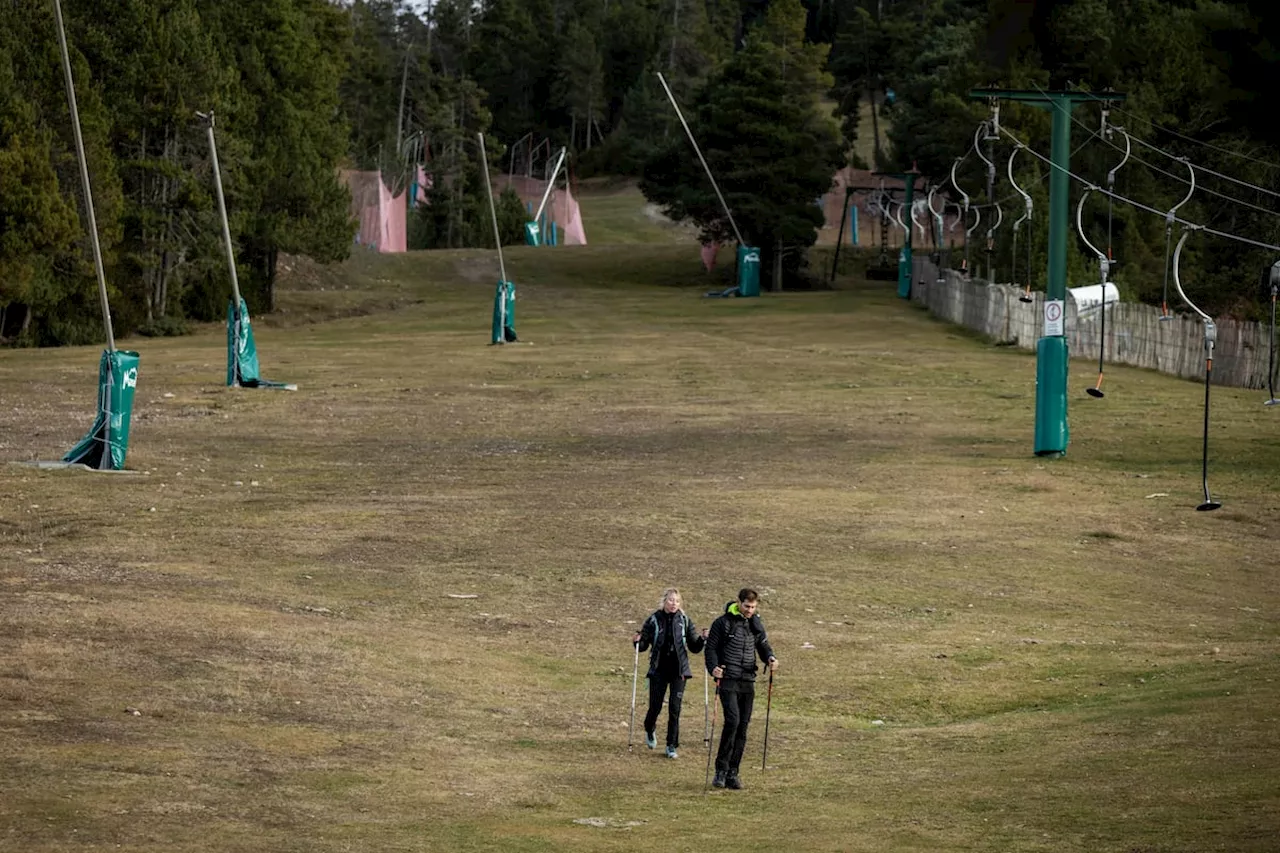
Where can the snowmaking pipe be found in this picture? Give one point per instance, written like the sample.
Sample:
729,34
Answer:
222,206
84,176
698,151
537,217
493,212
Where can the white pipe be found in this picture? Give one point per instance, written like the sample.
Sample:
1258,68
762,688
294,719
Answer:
222,208
1026,197
1177,279
1103,263
698,150
84,176
493,213
550,186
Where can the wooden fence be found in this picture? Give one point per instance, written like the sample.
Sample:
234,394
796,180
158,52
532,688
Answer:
1135,333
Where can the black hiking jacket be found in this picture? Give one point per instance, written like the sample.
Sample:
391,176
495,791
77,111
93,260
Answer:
734,641
687,640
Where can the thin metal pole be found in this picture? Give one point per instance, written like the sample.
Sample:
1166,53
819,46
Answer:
1164,298
698,151
1271,344
635,672
764,759
222,208
844,214
493,212
84,176
550,185
706,707
404,81
1209,502
711,736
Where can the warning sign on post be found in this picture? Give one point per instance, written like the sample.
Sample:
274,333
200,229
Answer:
1053,311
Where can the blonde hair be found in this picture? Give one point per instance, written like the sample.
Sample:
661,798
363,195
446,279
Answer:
666,593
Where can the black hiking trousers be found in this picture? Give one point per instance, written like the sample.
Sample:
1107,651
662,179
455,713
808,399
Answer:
659,684
737,697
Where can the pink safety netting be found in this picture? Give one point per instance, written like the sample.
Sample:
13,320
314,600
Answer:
380,214
709,252
562,207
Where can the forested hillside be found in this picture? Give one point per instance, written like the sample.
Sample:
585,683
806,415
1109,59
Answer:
304,88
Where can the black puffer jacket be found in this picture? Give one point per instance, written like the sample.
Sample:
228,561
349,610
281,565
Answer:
687,639
734,642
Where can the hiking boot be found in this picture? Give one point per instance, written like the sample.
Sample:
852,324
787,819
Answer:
671,752
719,781
650,740
733,782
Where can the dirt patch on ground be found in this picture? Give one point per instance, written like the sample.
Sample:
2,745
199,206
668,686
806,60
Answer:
298,272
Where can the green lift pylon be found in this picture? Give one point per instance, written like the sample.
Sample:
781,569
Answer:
1052,435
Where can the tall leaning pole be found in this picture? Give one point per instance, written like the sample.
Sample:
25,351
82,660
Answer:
1051,432
242,352
84,177
107,442
748,256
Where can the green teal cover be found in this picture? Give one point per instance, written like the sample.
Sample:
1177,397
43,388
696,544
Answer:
107,443
503,328
242,354
748,271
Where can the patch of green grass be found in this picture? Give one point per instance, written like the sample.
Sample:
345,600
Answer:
619,214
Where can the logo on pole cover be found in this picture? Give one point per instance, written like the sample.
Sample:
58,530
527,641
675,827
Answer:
1053,311
130,378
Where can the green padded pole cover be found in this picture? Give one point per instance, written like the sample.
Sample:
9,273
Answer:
242,353
107,443
748,271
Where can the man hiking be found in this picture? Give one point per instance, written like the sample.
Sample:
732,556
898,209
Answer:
735,639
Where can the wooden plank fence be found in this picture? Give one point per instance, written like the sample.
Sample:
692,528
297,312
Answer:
1135,333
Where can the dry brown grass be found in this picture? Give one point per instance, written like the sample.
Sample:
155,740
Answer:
1010,654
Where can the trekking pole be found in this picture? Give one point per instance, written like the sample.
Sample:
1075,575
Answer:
706,707
635,672
768,706
710,732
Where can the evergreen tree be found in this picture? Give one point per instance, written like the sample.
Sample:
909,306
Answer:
513,62
770,144
579,84
159,67
39,225
282,177
44,243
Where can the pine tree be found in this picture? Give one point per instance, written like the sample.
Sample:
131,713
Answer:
38,222
159,67
771,146
48,292
286,131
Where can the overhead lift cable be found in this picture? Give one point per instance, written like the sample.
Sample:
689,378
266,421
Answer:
1094,134
1192,140
1227,235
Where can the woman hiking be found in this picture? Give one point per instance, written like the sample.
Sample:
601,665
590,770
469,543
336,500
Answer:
669,635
